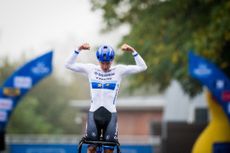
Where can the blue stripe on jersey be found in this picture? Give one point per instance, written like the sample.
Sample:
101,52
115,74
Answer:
97,85
110,86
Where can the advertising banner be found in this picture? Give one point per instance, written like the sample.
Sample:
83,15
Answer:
213,78
18,84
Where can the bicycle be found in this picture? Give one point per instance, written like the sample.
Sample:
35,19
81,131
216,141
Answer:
100,143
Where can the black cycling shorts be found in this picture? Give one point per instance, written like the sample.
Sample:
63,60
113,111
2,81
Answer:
102,123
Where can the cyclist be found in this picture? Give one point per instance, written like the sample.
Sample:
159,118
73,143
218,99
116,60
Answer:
104,81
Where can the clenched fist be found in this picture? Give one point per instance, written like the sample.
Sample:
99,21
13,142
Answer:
84,46
127,48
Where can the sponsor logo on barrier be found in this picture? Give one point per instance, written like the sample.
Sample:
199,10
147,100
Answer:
12,92
40,69
220,84
3,116
226,96
6,104
202,70
23,82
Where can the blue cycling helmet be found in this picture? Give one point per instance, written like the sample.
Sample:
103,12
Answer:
105,53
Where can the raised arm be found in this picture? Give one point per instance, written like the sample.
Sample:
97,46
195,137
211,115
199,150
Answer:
140,63
71,61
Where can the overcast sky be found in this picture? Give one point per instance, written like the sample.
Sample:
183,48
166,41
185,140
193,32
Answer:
32,27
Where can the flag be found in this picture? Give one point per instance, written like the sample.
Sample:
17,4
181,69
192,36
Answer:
213,78
19,83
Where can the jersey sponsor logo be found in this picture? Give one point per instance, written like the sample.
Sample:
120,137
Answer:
103,79
106,76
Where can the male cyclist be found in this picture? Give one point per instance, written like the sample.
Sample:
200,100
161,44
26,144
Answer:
104,86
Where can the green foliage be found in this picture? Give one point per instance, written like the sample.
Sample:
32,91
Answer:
6,69
164,31
26,120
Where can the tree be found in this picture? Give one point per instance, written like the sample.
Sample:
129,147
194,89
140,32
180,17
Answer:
164,31
25,119
6,69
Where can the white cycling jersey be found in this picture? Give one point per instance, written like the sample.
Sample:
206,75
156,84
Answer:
104,86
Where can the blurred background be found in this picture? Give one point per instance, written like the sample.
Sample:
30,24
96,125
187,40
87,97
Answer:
156,108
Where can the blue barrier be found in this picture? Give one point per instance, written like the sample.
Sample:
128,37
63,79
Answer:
221,147
70,148
42,148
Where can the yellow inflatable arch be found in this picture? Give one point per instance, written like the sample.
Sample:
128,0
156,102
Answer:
218,129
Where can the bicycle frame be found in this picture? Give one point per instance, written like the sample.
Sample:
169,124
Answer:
99,144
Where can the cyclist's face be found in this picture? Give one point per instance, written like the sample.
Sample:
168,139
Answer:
105,66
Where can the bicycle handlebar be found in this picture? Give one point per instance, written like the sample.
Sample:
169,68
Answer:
100,143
